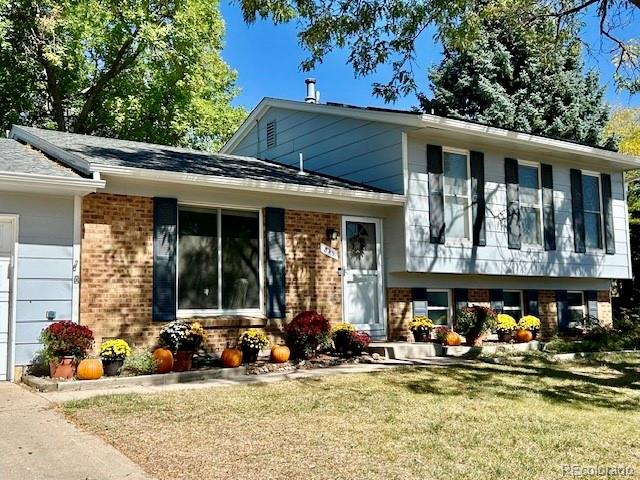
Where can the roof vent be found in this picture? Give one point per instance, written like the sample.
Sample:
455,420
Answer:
271,134
313,96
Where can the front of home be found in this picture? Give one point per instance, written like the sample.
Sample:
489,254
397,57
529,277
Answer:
368,216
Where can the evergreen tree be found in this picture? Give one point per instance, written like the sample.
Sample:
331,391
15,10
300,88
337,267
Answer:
522,77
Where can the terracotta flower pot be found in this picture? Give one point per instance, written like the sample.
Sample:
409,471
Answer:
112,367
475,339
182,361
64,368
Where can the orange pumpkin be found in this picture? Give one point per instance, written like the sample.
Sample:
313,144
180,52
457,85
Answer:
89,369
280,354
231,358
452,339
523,336
164,360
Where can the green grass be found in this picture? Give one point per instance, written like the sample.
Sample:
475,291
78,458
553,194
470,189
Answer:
479,421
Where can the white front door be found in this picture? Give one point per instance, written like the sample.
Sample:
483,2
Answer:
362,277
7,226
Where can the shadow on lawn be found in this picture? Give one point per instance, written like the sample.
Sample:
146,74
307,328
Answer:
521,380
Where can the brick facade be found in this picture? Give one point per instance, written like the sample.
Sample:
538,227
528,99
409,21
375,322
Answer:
312,279
605,314
548,313
117,273
398,313
479,296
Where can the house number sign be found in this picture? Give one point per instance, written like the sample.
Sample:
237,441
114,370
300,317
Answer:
328,251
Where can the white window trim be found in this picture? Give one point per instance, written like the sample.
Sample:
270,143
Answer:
536,165
506,309
449,309
582,307
591,173
458,240
208,312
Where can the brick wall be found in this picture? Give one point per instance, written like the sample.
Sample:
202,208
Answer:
398,313
548,312
604,308
479,296
312,278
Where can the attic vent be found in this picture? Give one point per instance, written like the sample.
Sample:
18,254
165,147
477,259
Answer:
271,134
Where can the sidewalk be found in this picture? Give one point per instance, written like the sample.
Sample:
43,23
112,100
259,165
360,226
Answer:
37,443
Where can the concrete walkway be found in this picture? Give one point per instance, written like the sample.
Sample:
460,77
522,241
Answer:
65,396
37,443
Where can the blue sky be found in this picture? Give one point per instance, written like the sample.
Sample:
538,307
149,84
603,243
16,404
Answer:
268,57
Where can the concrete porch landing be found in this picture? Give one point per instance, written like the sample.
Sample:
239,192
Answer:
411,350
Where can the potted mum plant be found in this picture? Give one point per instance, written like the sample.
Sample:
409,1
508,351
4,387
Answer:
447,337
475,323
113,354
183,339
65,343
505,325
421,328
359,341
342,336
531,323
251,342
305,333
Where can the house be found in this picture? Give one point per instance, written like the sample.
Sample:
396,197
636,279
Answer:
370,216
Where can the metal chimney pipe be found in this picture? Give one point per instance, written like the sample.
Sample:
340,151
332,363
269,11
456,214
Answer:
311,90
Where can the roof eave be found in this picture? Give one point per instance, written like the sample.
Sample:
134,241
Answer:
251,184
31,182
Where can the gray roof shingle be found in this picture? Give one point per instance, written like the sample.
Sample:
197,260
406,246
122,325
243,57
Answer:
16,157
124,153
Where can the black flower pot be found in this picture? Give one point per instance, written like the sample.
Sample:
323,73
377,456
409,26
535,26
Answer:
112,367
250,355
505,336
420,335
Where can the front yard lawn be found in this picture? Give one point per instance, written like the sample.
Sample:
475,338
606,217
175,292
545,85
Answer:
473,421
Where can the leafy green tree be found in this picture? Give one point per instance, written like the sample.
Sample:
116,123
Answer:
134,69
378,32
521,77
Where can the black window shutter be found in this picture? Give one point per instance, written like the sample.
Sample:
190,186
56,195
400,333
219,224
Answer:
461,296
592,303
478,199
577,211
562,305
607,204
276,270
436,199
548,214
513,202
531,302
419,301
496,299
165,239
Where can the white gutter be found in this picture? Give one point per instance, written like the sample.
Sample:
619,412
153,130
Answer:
71,159
14,181
250,184
417,121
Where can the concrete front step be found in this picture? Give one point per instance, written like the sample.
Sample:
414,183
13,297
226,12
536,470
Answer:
409,350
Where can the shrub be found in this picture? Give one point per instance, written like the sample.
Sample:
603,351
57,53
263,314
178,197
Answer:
181,335
115,350
359,341
66,339
253,339
140,362
505,323
529,322
306,332
476,319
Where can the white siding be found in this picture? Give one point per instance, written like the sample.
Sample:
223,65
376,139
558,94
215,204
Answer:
356,150
496,258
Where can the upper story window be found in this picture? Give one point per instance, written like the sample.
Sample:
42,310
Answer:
218,260
457,195
592,207
530,203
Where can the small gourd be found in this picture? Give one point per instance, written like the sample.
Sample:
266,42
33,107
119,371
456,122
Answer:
164,360
280,353
90,369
